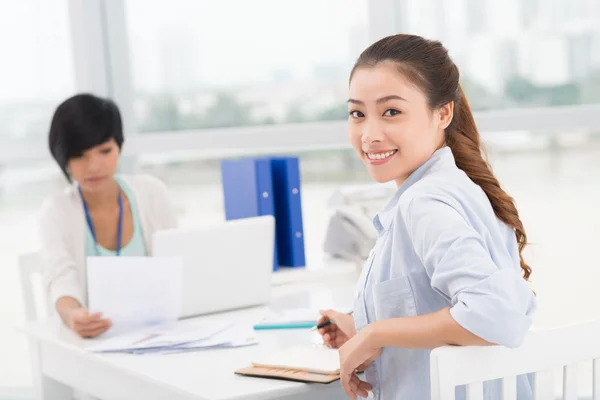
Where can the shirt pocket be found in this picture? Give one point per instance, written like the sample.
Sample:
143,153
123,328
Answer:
394,299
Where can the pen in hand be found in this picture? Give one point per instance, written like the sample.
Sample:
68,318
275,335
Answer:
323,325
326,323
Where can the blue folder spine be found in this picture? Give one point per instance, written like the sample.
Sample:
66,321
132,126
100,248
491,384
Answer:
288,211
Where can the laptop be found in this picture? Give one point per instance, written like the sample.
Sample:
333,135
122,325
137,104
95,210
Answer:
225,266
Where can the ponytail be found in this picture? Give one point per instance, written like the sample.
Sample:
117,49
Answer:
463,139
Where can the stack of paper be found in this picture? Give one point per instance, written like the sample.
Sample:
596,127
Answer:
237,335
179,337
142,297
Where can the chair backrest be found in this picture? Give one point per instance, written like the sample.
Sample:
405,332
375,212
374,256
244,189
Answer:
30,266
541,353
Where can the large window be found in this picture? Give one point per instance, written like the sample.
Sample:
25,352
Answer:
236,62
36,71
36,74
516,53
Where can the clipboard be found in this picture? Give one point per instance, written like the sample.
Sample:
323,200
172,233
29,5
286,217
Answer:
287,374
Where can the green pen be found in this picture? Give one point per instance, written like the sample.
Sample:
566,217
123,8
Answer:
293,325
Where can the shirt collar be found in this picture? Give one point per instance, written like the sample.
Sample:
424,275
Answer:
440,158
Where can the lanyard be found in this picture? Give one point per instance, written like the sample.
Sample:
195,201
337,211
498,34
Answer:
88,217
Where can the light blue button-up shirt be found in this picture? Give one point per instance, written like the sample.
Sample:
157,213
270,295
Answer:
440,245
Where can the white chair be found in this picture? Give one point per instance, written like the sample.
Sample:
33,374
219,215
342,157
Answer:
542,352
35,301
37,307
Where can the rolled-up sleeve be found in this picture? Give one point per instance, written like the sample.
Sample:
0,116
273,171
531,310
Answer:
492,301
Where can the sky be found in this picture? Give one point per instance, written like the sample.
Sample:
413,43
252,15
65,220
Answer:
36,54
225,41
231,42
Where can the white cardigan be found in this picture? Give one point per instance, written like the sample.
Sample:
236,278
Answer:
62,233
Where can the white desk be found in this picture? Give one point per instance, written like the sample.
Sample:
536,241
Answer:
61,361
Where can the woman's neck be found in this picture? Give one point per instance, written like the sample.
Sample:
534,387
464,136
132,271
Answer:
106,196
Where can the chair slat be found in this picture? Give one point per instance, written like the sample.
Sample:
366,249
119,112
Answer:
543,385
442,385
475,391
509,388
570,382
596,389
443,391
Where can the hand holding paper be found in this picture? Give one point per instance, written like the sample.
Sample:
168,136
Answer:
86,324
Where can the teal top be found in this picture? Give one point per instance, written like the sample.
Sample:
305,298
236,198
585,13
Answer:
136,246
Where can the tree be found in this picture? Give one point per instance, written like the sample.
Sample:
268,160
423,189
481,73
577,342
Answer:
525,92
478,96
227,111
294,114
335,113
163,115
268,121
562,95
590,88
521,90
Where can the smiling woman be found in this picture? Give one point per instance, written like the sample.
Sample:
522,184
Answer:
447,267
101,213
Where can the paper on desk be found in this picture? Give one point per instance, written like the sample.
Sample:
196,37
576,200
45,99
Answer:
238,335
162,336
135,291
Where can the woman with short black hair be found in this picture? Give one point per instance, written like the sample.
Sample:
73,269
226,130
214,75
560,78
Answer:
101,213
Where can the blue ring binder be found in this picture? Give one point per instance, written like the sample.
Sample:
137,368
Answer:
268,186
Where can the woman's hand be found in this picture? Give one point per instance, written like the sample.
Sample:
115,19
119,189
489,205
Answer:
87,325
77,317
339,331
356,355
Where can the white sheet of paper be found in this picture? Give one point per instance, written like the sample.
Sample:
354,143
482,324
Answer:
135,291
237,335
